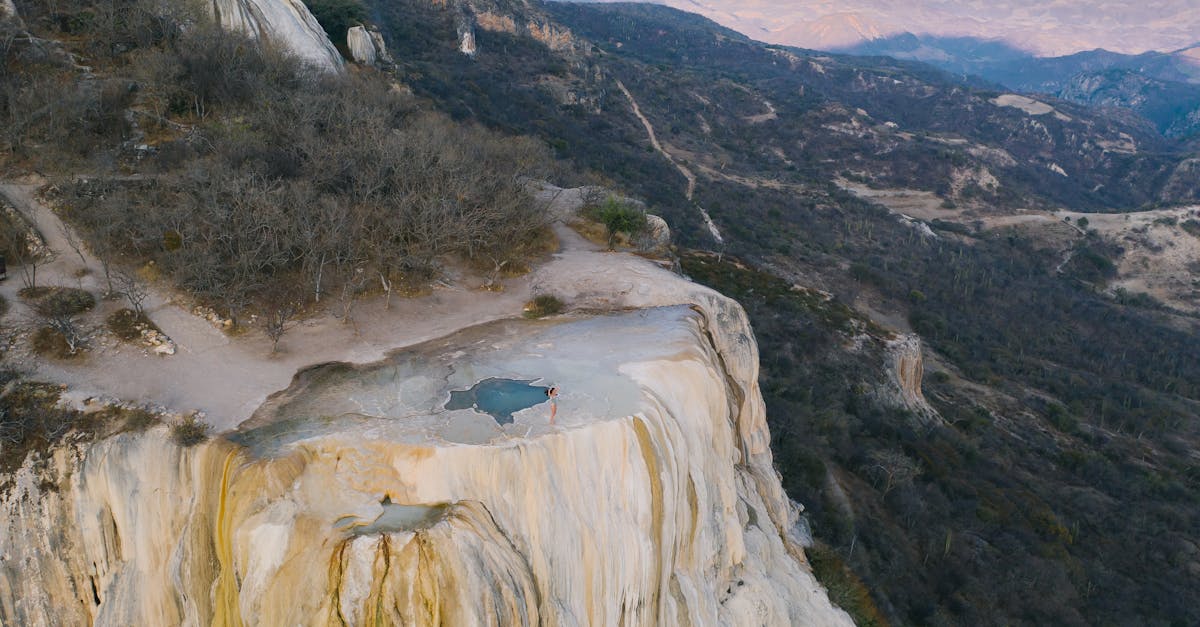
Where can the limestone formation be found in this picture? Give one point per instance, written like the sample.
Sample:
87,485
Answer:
905,369
8,11
656,239
466,40
362,49
285,23
381,52
366,46
355,497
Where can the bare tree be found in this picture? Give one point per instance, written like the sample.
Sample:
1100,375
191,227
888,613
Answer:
30,262
281,310
134,290
893,469
57,314
73,241
351,287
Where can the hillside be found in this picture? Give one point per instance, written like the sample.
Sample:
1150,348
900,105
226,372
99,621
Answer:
1054,426
986,403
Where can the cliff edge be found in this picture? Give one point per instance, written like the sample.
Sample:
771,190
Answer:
356,497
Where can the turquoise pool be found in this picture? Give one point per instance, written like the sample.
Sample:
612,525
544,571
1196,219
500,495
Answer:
499,398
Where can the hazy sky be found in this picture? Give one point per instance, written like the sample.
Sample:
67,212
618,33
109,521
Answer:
1051,27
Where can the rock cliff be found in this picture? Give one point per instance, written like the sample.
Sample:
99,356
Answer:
366,46
905,369
355,497
285,23
8,10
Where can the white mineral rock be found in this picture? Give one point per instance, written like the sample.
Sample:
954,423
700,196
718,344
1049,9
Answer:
287,23
355,497
362,47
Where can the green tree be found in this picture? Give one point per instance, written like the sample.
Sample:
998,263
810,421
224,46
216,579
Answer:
618,217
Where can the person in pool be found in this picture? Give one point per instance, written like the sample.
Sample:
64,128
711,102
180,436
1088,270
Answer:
552,394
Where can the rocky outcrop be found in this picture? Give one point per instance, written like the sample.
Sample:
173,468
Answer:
905,369
656,238
466,39
285,23
362,49
367,46
354,497
8,11
515,19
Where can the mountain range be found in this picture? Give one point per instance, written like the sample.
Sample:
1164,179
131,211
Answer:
1163,87
1043,28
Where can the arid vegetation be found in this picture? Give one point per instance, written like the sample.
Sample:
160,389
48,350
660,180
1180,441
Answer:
341,185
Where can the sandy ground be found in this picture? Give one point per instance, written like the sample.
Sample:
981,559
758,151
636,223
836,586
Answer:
229,377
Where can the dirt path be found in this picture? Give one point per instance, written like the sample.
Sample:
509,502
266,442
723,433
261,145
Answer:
227,378
687,174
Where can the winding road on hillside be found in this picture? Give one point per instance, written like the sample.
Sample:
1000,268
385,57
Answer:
687,174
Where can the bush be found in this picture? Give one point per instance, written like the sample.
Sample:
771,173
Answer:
138,420
33,293
190,431
618,217
544,305
845,588
50,341
68,301
127,325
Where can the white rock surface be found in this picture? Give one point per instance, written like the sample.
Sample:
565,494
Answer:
354,497
906,369
466,40
381,52
657,237
367,46
286,23
362,47
8,10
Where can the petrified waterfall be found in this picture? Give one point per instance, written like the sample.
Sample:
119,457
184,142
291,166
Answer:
355,497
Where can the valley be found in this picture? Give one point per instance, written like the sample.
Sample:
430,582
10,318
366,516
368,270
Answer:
840,338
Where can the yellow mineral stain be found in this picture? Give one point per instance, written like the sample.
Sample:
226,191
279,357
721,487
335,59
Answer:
656,501
227,613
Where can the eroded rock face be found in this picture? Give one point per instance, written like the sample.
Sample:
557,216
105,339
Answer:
906,368
8,10
466,40
366,46
285,23
656,239
355,498
362,49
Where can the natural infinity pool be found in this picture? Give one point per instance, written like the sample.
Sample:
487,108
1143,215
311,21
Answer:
498,397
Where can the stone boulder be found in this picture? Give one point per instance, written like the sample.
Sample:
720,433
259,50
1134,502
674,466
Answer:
656,239
8,10
362,49
367,46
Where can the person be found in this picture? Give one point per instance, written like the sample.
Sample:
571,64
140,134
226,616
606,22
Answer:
552,393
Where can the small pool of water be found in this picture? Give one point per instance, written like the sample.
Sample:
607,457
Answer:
395,517
499,398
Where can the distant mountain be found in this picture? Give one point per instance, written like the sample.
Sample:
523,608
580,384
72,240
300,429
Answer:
1043,28
957,55
1163,87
